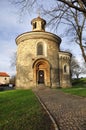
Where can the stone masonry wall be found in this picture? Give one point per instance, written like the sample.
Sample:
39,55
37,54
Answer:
27,56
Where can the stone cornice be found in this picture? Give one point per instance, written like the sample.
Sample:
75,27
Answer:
65,56
37,35
64,53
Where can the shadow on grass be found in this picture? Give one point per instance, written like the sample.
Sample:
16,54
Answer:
20,110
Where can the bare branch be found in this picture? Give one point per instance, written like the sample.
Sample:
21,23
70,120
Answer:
71,4
67,12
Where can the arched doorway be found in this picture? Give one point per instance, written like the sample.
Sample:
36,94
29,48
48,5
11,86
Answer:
41,72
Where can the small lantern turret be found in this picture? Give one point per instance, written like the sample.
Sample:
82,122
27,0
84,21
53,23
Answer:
38,24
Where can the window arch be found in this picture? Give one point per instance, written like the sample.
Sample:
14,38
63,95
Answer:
39,49
66,69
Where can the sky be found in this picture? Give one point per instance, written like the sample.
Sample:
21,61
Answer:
12,25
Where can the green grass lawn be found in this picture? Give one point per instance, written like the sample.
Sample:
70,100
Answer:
20,110
78,87
76,91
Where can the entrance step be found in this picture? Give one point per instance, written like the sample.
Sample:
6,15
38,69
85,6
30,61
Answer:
41,86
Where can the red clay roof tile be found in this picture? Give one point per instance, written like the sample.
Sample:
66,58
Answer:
4,74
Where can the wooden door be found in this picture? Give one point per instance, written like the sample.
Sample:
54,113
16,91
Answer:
40,76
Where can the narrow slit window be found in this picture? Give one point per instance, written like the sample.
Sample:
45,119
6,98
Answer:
34,25
65,69
42,26
39,49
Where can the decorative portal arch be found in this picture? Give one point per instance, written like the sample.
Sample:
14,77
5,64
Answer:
41,72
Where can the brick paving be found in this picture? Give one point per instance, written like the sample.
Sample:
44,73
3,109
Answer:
68,111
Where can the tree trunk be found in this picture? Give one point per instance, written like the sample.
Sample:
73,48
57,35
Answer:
77,75
83,52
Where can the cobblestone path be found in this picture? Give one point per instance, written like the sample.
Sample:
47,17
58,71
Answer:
68,111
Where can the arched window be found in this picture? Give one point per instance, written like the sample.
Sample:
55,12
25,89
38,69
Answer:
65,68
39,49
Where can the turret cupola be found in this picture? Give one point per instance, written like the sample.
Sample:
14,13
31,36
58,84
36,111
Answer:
38,24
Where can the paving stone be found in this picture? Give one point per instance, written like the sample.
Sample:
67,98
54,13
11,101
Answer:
68,111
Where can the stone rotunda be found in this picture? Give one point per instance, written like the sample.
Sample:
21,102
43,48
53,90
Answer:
39,59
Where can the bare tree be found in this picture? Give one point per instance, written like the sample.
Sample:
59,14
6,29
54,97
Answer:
76,68
79,5
12,80
13,60
24,5
67,12
76,29
74,22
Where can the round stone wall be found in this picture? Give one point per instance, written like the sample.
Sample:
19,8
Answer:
27,55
